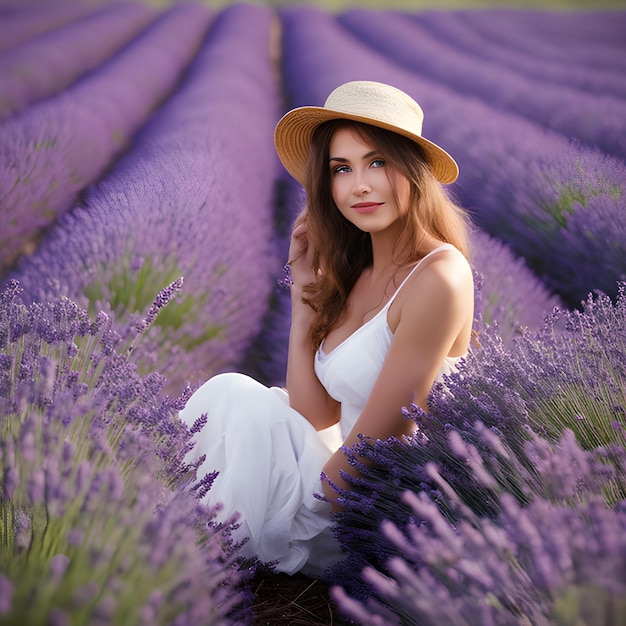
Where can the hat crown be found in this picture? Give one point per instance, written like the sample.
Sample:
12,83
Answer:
377,101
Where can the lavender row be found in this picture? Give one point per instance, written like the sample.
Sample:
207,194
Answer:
569,27
602,26
266,358
604,51
526,435
101,524
596,119
55,148
509,297
551,200
47,64
455,29
20,24
193,198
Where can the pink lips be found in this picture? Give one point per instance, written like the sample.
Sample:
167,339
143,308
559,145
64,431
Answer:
366,207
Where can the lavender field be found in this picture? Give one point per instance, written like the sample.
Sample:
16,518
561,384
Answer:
144,223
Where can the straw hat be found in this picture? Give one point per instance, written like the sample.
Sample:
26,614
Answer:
373,103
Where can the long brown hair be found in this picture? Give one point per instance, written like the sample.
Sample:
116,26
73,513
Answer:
343,251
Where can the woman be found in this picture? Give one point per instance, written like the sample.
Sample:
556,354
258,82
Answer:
382,307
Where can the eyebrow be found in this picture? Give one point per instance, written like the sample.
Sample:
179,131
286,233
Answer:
365,156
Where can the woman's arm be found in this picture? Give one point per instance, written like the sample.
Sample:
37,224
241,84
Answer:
435,315
306,393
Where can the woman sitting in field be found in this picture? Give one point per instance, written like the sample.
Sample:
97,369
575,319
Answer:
382,307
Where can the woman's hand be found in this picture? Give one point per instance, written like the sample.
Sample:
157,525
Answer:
306,393
301,253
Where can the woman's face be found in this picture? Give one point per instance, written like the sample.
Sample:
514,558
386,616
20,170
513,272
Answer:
363,184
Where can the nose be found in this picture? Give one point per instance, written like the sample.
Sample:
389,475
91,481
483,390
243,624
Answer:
361,185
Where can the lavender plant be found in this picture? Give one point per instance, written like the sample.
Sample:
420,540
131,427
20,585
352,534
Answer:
595,119
193,196
55,148
47,64
570,374
100,522
523,183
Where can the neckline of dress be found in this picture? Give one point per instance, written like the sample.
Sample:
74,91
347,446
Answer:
325,355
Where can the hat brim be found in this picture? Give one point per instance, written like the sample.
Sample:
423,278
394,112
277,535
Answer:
294,131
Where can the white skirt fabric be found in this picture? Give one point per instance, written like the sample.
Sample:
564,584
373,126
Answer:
269,459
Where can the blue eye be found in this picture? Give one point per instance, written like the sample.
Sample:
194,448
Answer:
340,169
378,163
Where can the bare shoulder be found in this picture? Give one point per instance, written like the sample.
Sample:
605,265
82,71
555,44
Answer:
447,272
439,298
441,289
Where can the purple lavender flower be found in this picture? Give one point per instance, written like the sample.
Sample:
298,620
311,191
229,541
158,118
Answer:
46,64
58,566
163,298
55,148
75,537
10,473
7,590
58,617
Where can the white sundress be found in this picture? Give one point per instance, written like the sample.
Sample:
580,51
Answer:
269,457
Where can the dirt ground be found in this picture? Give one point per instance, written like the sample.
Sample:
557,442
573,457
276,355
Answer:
282,600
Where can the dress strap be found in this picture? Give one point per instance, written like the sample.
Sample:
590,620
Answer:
445,246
